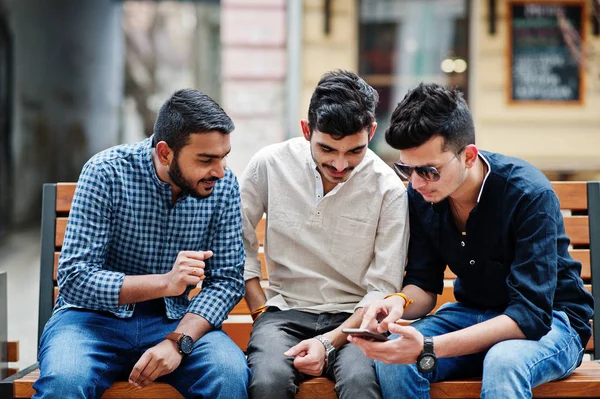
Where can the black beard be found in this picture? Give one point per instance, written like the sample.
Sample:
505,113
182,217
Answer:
184,185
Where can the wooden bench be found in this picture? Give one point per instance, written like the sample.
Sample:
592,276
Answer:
579,200
9,350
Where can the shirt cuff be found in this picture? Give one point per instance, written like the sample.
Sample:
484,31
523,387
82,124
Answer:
108,290
252,269
210,309
370,297
532,325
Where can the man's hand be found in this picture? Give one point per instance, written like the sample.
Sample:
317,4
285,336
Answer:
309,357
157,361
403,350
188,269
387,310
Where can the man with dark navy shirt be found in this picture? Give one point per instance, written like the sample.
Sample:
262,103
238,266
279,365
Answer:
522,314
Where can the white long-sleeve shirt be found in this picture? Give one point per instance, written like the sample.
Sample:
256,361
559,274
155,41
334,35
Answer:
331,253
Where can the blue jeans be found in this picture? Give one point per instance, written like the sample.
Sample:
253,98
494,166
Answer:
509,369
83,352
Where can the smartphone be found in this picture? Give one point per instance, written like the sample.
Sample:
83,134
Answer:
364,333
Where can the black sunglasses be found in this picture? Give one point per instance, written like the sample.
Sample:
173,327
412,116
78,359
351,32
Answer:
428,173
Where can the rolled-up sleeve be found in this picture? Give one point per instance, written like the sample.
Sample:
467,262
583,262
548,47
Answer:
223,286
533,273
253,208
82,279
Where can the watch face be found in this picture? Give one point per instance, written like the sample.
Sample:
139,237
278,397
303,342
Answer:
427,363
186,344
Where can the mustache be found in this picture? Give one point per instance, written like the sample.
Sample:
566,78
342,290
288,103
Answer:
209,180
348,169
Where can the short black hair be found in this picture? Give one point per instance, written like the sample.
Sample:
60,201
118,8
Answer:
431,110
187,112
342,104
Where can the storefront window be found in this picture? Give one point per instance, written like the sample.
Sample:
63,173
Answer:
405,42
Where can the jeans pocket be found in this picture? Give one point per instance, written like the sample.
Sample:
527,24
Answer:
575,348
574,365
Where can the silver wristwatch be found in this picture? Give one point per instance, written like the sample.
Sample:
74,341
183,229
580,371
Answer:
329,350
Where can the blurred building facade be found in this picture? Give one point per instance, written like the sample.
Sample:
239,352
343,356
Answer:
80,76
395,44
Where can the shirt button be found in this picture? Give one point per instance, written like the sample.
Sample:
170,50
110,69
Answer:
471,262
319,213
319,196
462,243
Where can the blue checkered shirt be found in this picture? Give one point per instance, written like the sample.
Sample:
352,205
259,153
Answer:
123,222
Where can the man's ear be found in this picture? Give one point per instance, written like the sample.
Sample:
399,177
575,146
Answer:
164,153
305,129
372,132
471,153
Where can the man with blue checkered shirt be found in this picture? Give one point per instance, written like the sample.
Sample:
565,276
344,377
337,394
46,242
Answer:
148,222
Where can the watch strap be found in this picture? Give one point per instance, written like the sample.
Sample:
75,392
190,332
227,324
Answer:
428,345
180,341
329,348
174,336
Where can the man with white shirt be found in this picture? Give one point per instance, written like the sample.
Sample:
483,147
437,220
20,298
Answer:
336,239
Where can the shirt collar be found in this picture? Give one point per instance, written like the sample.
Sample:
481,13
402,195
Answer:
437,206
147,150
314,169
489,170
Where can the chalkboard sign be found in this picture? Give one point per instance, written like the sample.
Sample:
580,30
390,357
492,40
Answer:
542,65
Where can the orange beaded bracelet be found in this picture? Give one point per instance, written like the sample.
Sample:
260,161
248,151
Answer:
407,301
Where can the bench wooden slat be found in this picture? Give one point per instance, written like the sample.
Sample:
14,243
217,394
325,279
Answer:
241,308
64,196
23,388
578,229
61,226
261,229
13,351
55,272
583,383
316,388
263,265
581,255
572,195
239,333
123,389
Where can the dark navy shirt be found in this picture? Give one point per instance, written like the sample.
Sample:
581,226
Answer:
514,257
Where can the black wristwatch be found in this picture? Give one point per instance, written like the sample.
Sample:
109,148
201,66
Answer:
427,360
185,343
329,350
